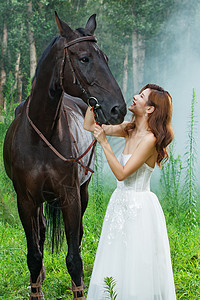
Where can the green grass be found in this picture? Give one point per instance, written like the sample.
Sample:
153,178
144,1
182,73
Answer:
14,274
185,253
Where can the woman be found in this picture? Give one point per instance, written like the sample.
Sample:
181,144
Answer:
134,247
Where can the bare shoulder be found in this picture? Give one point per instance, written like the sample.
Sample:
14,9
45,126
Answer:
150,139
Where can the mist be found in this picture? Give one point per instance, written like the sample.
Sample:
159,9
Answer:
184,59
179,74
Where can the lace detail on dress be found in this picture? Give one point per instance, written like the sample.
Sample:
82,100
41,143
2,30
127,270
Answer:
125,204
122,208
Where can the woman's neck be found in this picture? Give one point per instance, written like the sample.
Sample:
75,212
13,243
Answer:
141,125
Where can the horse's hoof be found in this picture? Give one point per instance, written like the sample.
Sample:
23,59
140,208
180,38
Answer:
36,296
78,291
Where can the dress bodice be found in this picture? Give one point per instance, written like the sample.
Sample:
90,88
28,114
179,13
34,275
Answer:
139,181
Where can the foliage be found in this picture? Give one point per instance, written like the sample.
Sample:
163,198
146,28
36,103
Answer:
110,284
184,246
8,212
96,190
14,272
9,105
181,200
171,185
116,21
190,187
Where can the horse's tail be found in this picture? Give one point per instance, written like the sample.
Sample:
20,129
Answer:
55,227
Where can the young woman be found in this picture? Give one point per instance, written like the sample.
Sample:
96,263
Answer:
134,247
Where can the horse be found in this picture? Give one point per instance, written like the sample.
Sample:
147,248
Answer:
39,150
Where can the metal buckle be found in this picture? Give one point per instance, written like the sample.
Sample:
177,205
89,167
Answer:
93,102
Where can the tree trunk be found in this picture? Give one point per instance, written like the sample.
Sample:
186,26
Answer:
33,58
135,62
3,72
17,70
20,87
138,57
125,73
141,60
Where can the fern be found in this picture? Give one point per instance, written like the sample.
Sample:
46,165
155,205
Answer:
110,284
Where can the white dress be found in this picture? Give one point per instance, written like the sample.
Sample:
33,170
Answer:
134,246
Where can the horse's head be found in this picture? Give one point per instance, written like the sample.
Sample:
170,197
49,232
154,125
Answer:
85,72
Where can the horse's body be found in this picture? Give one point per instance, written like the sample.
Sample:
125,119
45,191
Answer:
38,174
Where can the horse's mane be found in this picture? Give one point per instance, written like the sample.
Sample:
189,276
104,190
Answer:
43,56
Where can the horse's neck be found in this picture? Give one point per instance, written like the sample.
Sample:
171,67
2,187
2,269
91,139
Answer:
46,100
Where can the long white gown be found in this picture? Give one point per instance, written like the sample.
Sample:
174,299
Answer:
134,246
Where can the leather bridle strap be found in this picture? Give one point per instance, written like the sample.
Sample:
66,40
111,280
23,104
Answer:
80,39
75,79
52,147
66,56
93,143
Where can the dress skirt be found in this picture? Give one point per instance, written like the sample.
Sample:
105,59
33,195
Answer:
133,249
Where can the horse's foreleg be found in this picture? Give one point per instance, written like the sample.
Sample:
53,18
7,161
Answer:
29,215
72,219
84,203
42,228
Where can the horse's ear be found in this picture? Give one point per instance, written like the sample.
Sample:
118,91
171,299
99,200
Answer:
91,24
63,28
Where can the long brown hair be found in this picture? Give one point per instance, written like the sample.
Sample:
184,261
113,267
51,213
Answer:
159,121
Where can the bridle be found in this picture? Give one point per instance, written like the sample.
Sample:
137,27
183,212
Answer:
92,101
67,57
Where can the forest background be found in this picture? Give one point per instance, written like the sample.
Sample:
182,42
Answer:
145,41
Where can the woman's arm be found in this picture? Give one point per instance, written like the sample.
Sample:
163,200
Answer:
111,130
143,152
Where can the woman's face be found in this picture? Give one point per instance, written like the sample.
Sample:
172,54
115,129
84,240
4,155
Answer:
138,106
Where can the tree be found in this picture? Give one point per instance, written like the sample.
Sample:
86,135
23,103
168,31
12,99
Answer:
33,57
129,32
3,72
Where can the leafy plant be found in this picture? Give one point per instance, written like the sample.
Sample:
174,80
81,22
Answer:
96,187
8,211
9,105
171,184
110,284
190,187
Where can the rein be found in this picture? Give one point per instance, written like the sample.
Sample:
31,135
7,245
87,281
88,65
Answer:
54,149
75,79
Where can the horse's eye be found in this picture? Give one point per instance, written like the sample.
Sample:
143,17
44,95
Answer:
84,59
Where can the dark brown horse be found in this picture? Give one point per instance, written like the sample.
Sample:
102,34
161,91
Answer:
74,64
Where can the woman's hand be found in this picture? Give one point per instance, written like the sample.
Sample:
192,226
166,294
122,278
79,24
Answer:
99,134
89,121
